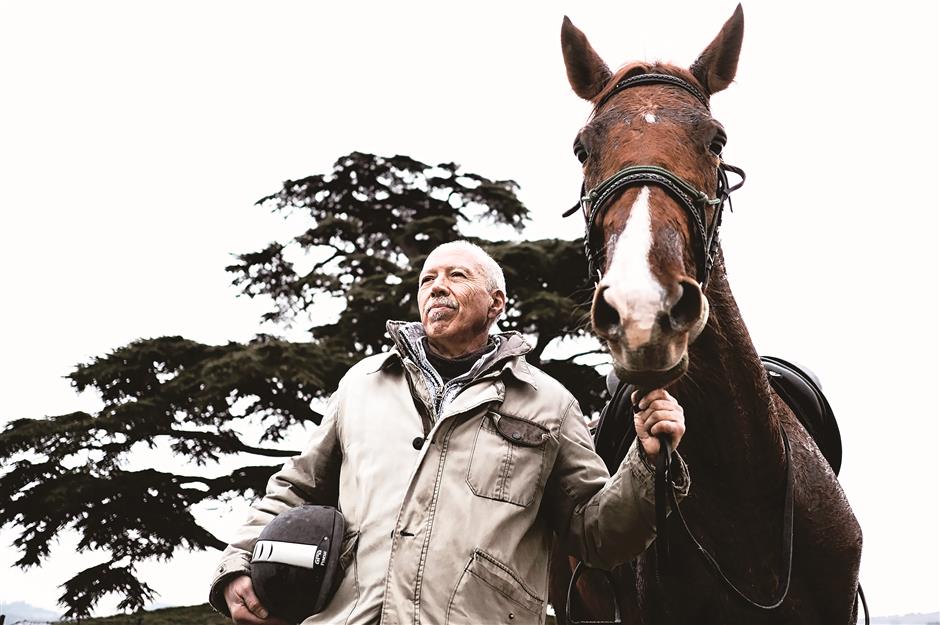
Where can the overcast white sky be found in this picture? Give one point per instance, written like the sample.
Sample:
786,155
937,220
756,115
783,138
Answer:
135,137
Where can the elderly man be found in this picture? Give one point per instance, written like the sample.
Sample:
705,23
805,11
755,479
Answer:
454,461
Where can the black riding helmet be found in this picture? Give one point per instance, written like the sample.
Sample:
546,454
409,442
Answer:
295,565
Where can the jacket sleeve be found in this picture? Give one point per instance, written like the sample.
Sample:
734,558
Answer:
311,477
604,520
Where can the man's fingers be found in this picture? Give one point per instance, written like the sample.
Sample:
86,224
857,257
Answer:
654,417
645,401
658,413
244,604
250,600
662,405
671,428
653,422
241,615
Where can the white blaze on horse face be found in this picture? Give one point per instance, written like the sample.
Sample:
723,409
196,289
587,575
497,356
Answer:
632,290
650,118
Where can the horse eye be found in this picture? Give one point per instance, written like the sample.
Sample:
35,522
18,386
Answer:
718,142
580,152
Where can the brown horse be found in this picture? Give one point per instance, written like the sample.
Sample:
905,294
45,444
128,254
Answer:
651,156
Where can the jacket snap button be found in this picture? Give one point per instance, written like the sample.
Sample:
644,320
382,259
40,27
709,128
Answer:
512,616
516,436
418,443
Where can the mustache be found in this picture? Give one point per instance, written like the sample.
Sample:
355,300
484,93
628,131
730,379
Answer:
441,301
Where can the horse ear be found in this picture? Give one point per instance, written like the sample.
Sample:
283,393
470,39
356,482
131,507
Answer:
716,66
587,72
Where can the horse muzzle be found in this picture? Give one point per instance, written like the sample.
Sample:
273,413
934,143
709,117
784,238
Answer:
649,333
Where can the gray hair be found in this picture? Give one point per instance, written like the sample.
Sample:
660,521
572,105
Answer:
494,273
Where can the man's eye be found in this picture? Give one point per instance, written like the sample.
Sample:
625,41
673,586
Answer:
426,279
458,274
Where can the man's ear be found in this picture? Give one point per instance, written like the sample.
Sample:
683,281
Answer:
498,305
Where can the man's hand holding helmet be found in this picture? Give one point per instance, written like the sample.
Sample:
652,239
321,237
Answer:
244,605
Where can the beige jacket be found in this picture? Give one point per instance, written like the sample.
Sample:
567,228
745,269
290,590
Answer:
460,530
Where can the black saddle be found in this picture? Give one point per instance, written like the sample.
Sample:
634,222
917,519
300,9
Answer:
797,386
800,389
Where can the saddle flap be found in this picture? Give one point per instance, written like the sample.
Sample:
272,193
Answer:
800,389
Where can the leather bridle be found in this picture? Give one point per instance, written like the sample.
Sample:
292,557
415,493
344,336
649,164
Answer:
595,202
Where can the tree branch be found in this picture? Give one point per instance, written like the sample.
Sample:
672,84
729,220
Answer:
239,445
323,262
271,453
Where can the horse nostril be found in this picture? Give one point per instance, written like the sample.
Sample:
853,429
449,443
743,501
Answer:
688,308
606,320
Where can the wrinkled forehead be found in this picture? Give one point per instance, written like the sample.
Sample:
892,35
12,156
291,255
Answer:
443,260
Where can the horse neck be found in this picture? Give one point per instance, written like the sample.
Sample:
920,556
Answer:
731,416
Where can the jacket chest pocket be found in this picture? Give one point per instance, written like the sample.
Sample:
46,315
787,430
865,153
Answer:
508,459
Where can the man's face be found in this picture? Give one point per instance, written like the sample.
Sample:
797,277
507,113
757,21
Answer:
456,306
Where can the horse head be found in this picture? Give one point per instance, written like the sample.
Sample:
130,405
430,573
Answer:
654,186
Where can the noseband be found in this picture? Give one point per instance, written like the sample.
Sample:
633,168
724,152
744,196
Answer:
595,202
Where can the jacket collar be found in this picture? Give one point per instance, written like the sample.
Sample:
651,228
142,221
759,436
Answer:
510,354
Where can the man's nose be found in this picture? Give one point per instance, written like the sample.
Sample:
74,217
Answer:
439,287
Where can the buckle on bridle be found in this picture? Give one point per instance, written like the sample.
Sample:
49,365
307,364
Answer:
586,201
